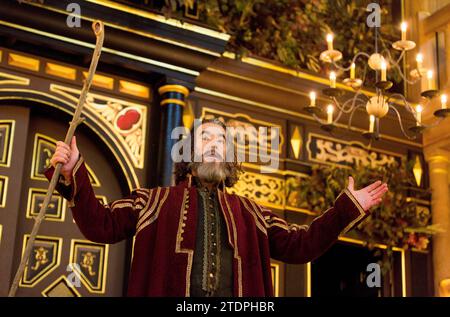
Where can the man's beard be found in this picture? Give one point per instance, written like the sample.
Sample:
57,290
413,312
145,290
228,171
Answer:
210,172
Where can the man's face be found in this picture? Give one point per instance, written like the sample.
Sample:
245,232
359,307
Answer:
210,142
210,146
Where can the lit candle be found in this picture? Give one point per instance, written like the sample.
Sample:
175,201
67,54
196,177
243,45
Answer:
404,26
419,60
352,71
330,110
444,101
312,96
333,80
372,123
430,80
419,110
330,41
383,70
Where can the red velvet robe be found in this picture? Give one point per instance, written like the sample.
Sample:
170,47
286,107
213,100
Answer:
164,221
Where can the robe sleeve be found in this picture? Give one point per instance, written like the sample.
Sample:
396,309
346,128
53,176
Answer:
292,243
109,223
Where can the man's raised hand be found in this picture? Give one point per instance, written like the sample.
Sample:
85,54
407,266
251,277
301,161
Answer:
368,196
67,156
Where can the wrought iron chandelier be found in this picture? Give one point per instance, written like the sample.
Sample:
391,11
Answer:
379,105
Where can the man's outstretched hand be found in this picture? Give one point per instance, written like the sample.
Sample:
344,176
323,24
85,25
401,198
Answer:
368,196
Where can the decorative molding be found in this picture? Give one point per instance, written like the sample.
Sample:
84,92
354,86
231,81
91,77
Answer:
296,142
3,190
61,71
61,287
162,19
332,151
418,171
133,31
25,62
92,264
275,272
127,87
7,129
191,10
247,123
101,81
57,206
8,79
45,258
121,54
126,121
91,122
43,149
265,190
102,199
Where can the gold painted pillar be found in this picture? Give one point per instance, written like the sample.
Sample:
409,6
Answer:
439,169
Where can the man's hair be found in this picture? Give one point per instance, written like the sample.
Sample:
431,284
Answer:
183,169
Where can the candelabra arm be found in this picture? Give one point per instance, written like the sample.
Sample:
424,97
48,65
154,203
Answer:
401,123
351,116
317,119
405,102
346,69
396,65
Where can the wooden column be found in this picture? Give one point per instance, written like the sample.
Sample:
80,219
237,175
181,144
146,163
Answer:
439,169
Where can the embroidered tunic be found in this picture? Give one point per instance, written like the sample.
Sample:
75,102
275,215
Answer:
164,222
212,270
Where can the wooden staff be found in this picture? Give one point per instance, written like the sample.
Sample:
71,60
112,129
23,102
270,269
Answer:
98,29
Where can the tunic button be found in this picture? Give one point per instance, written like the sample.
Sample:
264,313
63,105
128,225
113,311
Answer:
211,275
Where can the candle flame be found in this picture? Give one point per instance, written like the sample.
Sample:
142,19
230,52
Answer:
404,26
330,37
419,58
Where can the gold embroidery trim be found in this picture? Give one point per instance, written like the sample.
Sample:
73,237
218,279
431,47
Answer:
254,216
147,211
360,209
142,201
155,216
74,172
258,208
122,205
178,249
122,201
236,250
226,220
143,191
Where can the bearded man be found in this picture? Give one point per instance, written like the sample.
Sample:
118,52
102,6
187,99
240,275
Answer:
194,238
